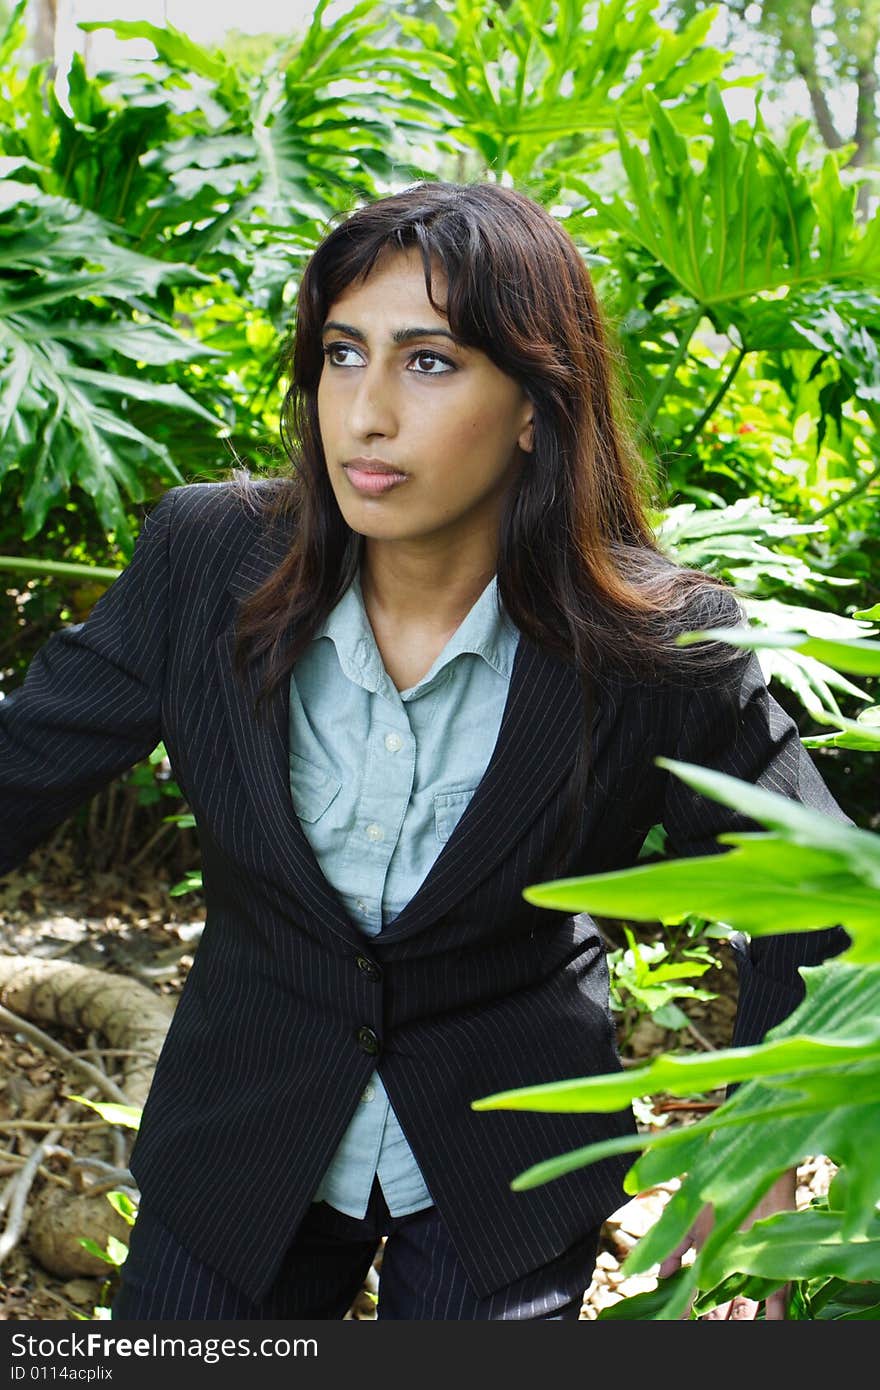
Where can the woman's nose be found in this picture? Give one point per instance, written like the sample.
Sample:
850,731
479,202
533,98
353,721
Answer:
372,409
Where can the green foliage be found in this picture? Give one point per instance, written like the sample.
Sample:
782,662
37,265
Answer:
115,1252
840,864
739,543
529,85
64,286
649,977
812,1087
198,160
683,237
23,565
253,164
190,883
704,226
812,652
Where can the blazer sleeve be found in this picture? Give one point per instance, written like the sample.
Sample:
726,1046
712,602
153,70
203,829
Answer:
89,706
736,726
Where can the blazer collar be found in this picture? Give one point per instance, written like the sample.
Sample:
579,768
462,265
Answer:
534,750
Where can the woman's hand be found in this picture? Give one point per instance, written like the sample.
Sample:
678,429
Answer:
780,1197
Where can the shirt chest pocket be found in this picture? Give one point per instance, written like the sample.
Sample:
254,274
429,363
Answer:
449,807
312,788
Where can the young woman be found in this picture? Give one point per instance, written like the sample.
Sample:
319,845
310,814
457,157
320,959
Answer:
431,665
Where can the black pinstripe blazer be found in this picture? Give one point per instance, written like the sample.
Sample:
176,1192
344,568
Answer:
470,990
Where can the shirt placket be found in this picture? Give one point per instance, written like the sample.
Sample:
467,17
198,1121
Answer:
385,794
381,809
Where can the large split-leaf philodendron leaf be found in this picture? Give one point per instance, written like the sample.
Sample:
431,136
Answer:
80,326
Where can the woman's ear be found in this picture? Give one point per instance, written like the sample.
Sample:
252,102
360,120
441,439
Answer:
526,439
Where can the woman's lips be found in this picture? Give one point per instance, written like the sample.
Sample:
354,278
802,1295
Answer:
373,483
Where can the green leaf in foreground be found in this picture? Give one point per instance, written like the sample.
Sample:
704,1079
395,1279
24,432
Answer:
801,1245
862,733
814,871
860,656
112,1112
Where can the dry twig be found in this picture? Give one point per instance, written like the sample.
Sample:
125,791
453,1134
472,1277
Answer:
14,1164
700,1038
12,1023
52,1124
17,1189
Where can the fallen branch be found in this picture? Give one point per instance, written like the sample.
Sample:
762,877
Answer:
112,1174
113,1052
12,1023
15,1162
18,1189
52,1124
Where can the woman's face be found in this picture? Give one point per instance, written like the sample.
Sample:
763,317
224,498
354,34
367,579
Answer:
397,389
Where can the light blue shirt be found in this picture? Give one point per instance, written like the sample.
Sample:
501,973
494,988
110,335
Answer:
379,780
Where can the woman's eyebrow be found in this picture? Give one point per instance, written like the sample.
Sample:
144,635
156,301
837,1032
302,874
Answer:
400,335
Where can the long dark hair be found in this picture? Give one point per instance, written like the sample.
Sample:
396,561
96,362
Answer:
579,570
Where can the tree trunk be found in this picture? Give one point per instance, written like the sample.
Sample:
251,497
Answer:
43,35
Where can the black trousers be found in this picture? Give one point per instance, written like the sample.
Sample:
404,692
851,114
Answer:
325,1266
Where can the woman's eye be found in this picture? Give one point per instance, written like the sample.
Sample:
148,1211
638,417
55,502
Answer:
445,364
330,353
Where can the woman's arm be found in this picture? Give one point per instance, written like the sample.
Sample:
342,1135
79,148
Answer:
89,706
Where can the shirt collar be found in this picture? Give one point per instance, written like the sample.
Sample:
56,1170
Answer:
487,631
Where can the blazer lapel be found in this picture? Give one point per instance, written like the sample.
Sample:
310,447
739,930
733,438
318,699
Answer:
261,748
534,751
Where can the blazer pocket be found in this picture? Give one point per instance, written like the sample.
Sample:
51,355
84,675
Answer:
449,807
312,788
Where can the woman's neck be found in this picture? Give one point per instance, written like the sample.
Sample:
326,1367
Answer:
415,591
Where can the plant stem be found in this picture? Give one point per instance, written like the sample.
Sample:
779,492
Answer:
713,404
157,834
678,357
849,495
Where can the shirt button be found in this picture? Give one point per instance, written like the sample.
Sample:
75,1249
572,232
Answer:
393,742
368,1041
361,905
375,832
368,1094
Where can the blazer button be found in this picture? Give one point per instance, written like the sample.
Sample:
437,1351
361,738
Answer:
368,1041
369,968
